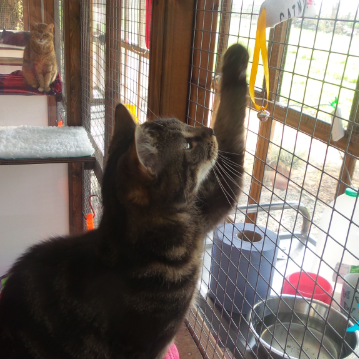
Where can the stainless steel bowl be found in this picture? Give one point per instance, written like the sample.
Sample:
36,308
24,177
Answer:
294,327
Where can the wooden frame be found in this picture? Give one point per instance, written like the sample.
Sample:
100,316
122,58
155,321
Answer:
202,61
73,100
201,334
170,58
113,65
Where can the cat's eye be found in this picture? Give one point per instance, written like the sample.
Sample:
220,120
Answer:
187,146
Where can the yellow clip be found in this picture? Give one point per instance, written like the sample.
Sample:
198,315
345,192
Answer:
260,47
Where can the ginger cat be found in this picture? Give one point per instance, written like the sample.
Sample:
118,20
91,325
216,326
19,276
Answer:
39,67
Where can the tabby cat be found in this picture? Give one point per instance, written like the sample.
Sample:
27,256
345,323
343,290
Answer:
39,66
122,290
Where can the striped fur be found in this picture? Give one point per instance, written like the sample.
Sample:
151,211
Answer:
122,290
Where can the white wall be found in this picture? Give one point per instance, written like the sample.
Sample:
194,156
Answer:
7,69
33,198
16,110
33,207
13,53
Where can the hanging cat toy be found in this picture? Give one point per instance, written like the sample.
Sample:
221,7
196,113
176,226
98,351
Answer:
271,13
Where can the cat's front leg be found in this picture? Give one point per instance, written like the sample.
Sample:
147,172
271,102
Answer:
41,79
47,81
220,191
29,77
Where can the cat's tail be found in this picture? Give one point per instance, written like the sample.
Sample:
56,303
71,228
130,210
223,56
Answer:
234,66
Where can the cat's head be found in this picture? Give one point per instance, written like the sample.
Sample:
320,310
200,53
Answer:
42,33
160,163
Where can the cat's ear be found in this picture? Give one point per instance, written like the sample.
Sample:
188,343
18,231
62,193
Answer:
124,123
33,25
51,27
146,151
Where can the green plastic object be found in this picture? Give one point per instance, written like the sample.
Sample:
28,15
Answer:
334,103
351,193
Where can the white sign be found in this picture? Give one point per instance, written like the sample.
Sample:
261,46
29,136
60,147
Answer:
282,10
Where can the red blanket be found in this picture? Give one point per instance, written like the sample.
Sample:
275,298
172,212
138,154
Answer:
14,83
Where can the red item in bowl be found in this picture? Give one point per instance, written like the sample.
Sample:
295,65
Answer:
307,283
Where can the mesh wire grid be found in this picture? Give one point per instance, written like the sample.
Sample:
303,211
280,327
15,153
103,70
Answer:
313,62
11,17
60,57
119,74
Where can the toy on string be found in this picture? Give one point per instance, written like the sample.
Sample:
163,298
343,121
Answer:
272,12
353,328
90,216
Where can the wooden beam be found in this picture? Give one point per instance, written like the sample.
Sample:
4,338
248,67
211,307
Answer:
223,38
170,58
206,342
26,14
49,12
34,14
72,29
75,197
51,111
203,60
113,66
349,162
186,346
275,60
226,13
87,69
156,58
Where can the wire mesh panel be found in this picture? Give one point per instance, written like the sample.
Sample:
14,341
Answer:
115,66
11,15
293,226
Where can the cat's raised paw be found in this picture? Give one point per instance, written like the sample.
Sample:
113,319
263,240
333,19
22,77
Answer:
235,62
47,89
41,89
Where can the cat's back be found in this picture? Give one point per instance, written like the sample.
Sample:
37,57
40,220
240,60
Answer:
50,297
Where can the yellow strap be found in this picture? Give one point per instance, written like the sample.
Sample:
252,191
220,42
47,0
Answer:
260,46
132,109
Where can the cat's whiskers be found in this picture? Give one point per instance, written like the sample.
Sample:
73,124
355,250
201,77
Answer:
231,153
222,186
152,112
230,177
222,172
229,160
230,168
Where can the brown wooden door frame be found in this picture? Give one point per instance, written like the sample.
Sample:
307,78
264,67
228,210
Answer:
170,58
72,28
